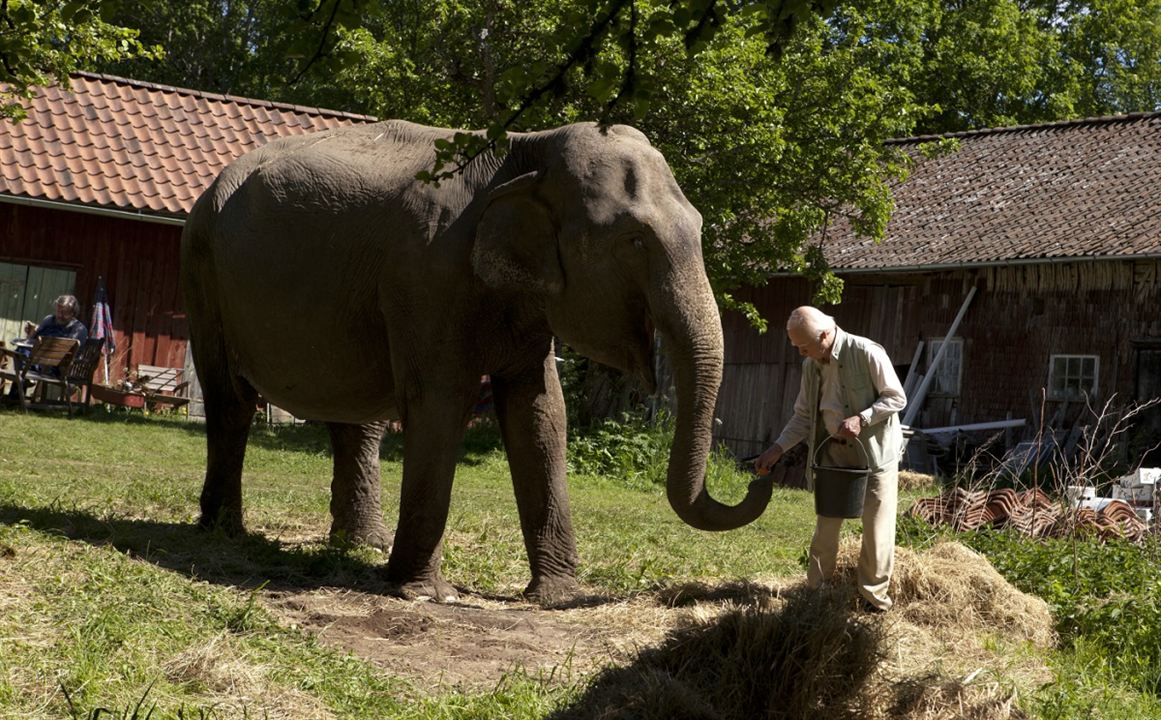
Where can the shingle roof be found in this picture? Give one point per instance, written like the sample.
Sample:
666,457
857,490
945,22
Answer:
121,144
1079,189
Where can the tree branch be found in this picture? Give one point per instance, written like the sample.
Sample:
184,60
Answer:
628,85
322,43
580,53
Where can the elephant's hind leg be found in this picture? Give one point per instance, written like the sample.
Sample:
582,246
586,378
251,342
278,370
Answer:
355,510
230,405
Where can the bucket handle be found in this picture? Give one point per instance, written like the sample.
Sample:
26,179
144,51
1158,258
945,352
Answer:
858,443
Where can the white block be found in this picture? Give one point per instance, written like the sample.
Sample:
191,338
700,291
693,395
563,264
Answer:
1099,503
1076,493
1142,476
1139,494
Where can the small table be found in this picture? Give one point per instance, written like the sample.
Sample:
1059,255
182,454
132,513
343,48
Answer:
21,348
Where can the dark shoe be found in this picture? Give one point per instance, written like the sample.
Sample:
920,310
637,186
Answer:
865,606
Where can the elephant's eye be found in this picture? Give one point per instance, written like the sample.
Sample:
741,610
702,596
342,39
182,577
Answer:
638,243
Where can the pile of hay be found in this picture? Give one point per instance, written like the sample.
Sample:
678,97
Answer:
911,480
952,588
807,659
813,654
952,611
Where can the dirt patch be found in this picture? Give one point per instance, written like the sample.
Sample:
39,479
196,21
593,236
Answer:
473,643
932,641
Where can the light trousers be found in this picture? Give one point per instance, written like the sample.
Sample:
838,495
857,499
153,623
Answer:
877,557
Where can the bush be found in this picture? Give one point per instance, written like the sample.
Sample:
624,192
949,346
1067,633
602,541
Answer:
634,450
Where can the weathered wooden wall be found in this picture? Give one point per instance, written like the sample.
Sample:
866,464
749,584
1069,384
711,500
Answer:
138,260
1020,316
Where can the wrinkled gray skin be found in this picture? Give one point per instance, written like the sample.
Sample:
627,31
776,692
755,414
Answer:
318,272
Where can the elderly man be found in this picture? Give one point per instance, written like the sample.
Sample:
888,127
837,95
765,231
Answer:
62,323
849,392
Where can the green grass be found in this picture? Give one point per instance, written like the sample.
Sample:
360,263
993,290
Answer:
113,605
109,594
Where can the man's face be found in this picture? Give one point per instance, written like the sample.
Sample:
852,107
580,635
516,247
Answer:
63,314
815,348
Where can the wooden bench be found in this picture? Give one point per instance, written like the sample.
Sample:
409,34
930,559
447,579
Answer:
162,386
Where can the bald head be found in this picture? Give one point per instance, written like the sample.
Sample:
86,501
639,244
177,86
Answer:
810,320
811,332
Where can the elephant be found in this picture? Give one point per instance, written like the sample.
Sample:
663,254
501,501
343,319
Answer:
319,274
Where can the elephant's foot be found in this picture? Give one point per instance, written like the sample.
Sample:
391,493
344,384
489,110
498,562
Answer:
227,522
428,588
548,590
372,534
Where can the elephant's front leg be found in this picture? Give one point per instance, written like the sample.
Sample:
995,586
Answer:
355,509
530,408
432,431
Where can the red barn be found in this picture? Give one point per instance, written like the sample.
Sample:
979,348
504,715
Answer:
97,182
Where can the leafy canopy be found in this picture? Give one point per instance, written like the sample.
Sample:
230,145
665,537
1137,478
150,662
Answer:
42,39
772,113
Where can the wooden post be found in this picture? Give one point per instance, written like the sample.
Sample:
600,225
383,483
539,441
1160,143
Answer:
913,404
913,374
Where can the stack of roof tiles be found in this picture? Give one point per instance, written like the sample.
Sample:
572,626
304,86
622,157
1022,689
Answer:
122,144
1029,512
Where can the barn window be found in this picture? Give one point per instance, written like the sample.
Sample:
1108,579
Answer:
947,375
1072,377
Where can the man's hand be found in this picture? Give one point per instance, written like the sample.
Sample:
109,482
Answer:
851,427
767,459
29,329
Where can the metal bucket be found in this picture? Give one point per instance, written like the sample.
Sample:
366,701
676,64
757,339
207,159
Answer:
839,491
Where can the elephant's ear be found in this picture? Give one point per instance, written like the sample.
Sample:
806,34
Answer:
516,240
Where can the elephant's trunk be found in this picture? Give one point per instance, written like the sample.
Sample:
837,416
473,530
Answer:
691,327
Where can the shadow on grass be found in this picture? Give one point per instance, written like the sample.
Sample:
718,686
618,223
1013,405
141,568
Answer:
245,562
480,440
809,658
743,593
255,560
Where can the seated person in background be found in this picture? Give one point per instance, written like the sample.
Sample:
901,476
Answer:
62,323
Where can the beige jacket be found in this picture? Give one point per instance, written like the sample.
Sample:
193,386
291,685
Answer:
868,387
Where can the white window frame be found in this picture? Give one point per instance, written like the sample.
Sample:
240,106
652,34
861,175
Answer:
1072,391
937,388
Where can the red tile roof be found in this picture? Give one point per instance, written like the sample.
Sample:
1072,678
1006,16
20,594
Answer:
1080,189
113,143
